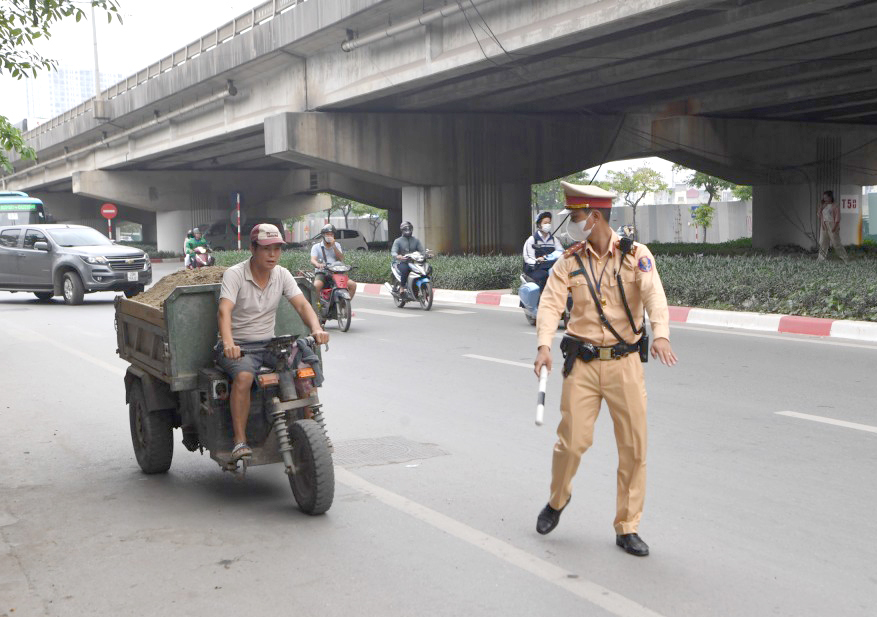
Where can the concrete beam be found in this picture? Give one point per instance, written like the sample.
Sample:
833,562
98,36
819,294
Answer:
159,191
396,150
760,151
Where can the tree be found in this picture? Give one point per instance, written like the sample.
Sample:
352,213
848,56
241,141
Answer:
344,206
375,217
703,217
22,22
743,192
634,184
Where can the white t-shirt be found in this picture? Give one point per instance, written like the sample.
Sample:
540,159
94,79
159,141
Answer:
255,309
828,214
331,256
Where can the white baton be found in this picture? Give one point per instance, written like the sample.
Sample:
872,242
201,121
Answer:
540,399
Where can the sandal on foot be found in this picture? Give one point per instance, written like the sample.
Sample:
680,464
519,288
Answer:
240,451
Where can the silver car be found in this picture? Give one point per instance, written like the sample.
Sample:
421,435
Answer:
68,261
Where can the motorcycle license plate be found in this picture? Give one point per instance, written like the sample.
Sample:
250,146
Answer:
133,276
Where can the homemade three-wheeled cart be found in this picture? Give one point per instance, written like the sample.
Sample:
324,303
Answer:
173,382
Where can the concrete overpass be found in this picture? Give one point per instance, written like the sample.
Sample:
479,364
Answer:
446,112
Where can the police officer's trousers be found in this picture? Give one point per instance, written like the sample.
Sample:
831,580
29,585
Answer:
620,383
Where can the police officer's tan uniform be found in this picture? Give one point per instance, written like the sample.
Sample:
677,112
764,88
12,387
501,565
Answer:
618,381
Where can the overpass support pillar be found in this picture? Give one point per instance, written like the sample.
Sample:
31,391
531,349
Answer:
787,214
480,218
168,226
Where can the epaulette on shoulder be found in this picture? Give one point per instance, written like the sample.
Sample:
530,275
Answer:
578,247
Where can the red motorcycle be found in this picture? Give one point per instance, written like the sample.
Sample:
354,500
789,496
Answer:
201,258
334,301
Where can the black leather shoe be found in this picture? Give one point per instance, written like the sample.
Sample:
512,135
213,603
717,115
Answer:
633,544
548,518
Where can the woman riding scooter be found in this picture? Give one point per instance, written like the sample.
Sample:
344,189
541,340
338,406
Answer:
541,250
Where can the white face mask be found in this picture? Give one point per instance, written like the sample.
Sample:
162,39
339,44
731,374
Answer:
546,228
577,231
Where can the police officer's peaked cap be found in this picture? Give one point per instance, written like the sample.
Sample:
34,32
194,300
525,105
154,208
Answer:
585,196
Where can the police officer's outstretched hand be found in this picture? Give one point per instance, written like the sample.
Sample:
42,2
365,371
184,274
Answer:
662,350
543,358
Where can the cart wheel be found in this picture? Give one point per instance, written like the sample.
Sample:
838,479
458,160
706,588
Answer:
343,312
152,433
530,319
426,296
313,483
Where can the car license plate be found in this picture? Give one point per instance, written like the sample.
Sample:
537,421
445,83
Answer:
133,276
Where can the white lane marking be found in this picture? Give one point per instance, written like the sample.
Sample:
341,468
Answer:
497,360
824,420
781,336
36,336
605,598
398,313
453,312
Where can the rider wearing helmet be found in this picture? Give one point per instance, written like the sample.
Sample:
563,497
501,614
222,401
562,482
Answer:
325,253
192,242
402,246
539,246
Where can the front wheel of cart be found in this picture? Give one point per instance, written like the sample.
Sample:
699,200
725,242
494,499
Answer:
313,482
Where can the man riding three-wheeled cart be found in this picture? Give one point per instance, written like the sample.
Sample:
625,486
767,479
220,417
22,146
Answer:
250,397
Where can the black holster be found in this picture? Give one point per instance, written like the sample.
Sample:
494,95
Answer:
644,347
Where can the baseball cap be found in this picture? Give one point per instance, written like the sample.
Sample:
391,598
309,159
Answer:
265,234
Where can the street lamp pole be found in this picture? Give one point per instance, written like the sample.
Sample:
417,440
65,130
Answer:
100,111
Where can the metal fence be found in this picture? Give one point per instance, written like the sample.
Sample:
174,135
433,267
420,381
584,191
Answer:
259,14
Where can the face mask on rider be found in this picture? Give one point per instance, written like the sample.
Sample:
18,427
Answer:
546,228
577,231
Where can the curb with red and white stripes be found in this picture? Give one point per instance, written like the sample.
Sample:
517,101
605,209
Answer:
759,322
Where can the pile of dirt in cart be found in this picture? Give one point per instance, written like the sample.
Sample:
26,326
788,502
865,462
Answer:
155,295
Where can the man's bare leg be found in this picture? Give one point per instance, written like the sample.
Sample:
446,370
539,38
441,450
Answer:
240,405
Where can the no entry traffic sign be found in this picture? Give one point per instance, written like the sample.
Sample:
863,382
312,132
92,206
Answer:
109,211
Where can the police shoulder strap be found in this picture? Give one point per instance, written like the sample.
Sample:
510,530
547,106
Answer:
626,245
603,319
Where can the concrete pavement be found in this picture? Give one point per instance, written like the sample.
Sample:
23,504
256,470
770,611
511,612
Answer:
749,512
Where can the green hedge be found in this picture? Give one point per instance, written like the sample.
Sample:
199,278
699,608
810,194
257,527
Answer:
150,249
788,284
468,272
773,284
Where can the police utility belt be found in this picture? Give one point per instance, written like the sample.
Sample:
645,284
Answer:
573,348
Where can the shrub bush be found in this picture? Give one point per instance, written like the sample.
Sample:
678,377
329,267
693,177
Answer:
150,249
788,284
469,272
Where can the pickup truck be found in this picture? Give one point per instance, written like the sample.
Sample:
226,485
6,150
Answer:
68,261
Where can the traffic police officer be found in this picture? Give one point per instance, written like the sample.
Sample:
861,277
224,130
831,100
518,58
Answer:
611,281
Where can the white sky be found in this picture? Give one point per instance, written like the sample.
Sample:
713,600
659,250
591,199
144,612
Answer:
151,30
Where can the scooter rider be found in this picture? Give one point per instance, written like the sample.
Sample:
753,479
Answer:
325,253
402,246
537,248
248,301
192,243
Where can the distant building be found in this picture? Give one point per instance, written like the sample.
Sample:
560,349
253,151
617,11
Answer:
52,93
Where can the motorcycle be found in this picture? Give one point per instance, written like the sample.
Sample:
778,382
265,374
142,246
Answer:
334,300
419,284
529,294
201,258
